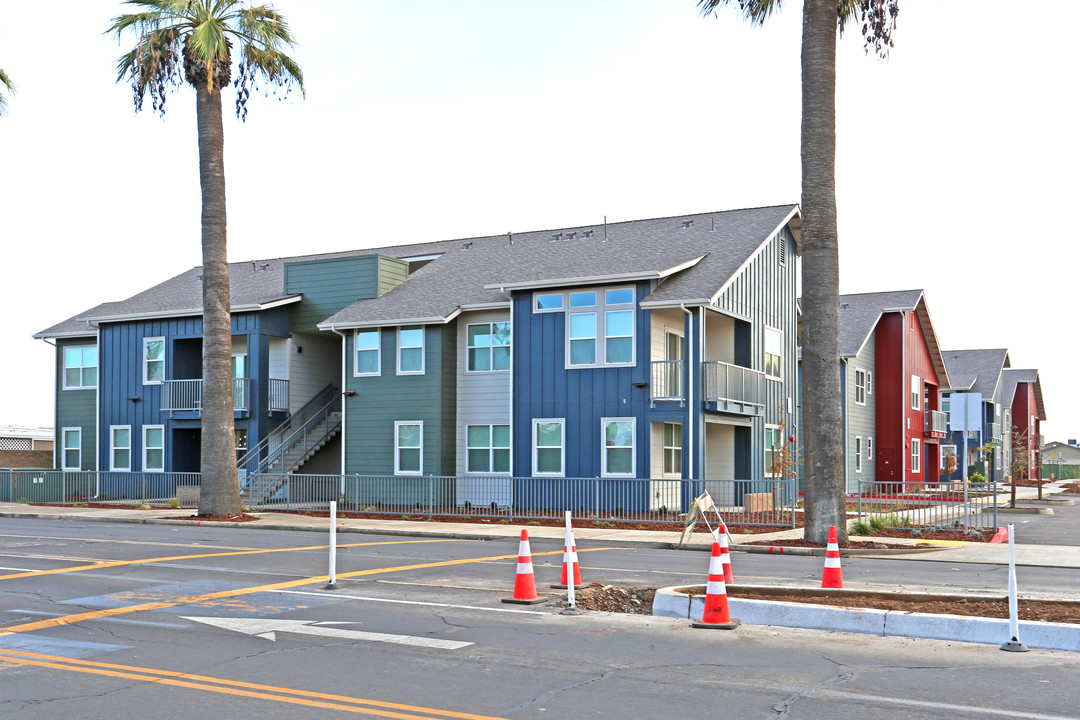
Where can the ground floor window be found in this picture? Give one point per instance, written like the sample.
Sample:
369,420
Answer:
618,449
153,448
672,448
548,443
774,447
72,449
120,448
408,448
916,455
487,449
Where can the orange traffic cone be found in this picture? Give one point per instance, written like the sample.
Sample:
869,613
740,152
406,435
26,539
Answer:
832,577
524,580
716,615
570,561
725,554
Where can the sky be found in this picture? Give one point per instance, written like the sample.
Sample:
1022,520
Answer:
431,120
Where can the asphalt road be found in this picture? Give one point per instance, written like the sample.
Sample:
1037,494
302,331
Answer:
130,621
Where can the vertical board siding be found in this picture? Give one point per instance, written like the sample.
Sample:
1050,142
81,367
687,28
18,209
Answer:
76,408
331,284
483,397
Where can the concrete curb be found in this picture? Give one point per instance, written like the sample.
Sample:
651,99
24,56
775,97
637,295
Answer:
956,628
1023,510
820,552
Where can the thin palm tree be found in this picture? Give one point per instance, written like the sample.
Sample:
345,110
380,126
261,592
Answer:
5,82
199,37
823,421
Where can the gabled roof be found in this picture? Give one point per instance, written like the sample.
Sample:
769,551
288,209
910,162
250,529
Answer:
976,370
860,312
1012,377
694,255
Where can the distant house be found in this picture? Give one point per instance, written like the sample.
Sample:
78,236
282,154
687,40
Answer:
1023,393
890,378
979,412
25,447
1061,459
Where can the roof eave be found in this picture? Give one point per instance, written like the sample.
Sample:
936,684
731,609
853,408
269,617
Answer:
594,279
356,324
188,312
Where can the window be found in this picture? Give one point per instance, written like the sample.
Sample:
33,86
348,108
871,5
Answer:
410,351
581,332
916,392
593,314
71,442
619,336
487,448
774,353
408,447
120,448
618,452
774,446
858,454
860,387
489,347
153,360
869,383
916,455
153,448
80,367
548,437
870,448
946,451
672,448
548,302
366,353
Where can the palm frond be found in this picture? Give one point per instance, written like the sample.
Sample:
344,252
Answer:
756,11
5,81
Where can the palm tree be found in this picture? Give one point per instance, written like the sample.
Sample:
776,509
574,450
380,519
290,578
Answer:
199,37
5,82
823,424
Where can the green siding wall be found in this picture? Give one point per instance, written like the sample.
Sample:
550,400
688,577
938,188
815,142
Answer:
388,397
76,408
333,284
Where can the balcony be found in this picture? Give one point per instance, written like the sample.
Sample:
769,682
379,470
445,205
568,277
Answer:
993,431
733,388
666,381
937,424
186,395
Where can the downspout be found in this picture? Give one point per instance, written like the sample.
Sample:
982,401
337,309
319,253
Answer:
344,415
689,396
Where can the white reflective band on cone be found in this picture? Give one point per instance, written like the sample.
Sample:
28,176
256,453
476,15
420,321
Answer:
832,547
831,562
523,548
716,565
715,587
524,568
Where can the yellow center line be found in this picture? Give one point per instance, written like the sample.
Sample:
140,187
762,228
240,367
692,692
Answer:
195,599
144,561
238,688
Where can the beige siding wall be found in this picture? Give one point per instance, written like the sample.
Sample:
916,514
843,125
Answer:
318,365
664,321
719,338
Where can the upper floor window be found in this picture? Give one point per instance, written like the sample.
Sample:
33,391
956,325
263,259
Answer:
916,392
366,352
80,367
860,387
595,315
548,302
774,353
411,350
489,347
153,360
870,448
869,383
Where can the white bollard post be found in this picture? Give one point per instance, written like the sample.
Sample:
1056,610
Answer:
1014,644
571,608
331,583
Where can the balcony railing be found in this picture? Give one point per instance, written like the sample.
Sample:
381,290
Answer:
937,423
666,382
186,395
994,431
279,395
724,382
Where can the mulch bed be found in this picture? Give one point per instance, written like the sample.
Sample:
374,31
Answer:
242,517
985,536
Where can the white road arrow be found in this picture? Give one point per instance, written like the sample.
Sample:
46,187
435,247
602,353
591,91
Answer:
266,628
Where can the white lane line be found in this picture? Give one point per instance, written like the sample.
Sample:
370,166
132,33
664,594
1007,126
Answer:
268,629
410,602
19,569
979,711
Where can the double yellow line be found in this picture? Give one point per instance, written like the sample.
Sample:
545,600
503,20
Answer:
256,691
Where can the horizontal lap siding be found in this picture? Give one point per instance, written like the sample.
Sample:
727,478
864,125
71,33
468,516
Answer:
860,418
483,397
314,363
76,408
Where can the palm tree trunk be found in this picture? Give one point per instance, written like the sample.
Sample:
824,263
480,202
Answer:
220,494
824,490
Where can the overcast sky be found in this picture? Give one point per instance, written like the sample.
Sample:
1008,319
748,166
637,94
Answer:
429,120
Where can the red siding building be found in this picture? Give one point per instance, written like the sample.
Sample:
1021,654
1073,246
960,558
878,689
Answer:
1023,392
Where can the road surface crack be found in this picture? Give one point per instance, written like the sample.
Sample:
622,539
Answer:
781,709
549,695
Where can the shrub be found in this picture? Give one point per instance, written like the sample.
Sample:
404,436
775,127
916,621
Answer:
174,502
860,528
877,524
976,477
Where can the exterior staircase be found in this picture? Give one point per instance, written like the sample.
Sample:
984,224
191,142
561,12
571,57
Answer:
265,469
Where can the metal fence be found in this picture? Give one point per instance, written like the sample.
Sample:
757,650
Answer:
935,505
625,500
62,487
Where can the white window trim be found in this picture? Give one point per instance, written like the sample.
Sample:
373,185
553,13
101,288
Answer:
765,353
944,454
562,447
597,350
869,447
491,448
859,386
869,383
767,451
600,336
64,448
422,346
146,361
468,347
603,447
397,448
539,294
916,456
113,448
858,454
145,428
64,368
377,350
916,392
664,447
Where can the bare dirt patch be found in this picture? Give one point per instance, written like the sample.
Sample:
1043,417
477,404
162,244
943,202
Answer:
958,535
242,517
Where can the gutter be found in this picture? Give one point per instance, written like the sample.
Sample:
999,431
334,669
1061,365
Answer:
689,398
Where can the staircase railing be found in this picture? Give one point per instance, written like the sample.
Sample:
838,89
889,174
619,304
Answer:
274,445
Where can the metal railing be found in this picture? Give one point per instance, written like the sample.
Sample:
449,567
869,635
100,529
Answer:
732,383
666,380
942,505
65,487
186,395
937,422
279,395
994,431
513,499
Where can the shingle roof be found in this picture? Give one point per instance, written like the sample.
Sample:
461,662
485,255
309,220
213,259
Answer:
1011,377
714,246
859,314
976,370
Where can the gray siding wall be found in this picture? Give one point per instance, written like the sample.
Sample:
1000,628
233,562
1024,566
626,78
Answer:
314,363
483,397
859,418
76,408
764,294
